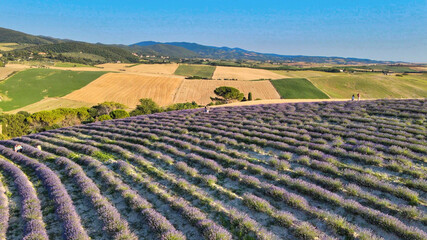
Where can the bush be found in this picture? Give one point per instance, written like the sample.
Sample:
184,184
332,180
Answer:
24,113
181,106
104,117
146,106
119,113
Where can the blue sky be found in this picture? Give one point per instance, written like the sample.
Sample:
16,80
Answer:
376,29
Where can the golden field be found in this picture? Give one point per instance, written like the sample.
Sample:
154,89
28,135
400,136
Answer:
239,73
200,91
128,89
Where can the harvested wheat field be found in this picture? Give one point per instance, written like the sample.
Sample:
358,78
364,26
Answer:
6,72
422,69
200,91
238,73
164,69
128,89
114,66
111,67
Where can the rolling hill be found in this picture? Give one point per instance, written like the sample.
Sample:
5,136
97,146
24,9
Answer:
163,50
11,36
342,170
240,54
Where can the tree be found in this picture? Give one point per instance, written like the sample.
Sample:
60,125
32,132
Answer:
146,106
229,93
106,108
119,113
14,125
249,96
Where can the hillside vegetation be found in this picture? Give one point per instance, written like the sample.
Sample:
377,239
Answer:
55,51
11,36
294,88
32,85
343,170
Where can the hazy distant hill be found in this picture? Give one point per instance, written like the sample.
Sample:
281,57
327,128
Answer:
163,50
88,52
240,54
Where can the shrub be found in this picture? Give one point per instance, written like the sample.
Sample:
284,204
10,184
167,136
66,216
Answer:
104,117
249,96
106,108
119,113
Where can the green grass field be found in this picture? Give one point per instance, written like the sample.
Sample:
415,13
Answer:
369,85
292,88
195,70
69,64
33,85
398,69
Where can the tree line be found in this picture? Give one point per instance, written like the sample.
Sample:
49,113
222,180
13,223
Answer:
24,123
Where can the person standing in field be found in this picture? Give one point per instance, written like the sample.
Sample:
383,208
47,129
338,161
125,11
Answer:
358,96
352,98
18,148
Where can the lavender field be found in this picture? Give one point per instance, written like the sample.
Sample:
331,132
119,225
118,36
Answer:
336,170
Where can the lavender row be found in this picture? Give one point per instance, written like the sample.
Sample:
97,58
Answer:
31,214
4,211
72,228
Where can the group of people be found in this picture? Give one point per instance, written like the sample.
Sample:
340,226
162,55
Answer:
358,97
18,148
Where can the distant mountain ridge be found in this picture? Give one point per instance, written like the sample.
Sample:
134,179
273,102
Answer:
227,53
119,52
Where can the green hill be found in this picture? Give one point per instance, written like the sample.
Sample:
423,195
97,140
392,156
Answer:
61,51
11,36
